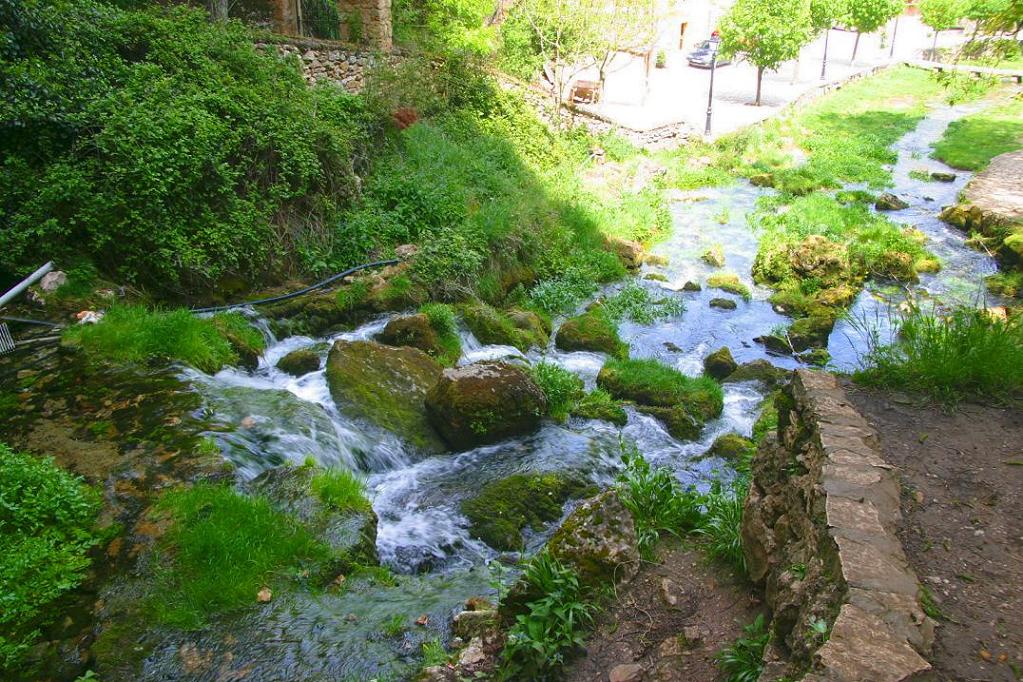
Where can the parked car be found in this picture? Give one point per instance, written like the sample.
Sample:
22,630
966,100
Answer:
704,53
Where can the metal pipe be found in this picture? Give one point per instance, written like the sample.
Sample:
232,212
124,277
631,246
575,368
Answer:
26,283
710,91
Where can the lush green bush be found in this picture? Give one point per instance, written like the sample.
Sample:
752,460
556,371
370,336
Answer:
132,334
167,148
340,489
47,526
966,353
543,637
562,388
221,549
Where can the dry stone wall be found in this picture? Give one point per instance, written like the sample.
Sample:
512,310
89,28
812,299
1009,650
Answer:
330,64
819,536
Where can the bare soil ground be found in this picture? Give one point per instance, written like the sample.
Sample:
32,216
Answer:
962,527
670,620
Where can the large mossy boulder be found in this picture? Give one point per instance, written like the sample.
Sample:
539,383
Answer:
522,329
720,363
810,332
758,370
483,403
351,531
504,508
299,362
598,540
681,402
593,331
820,258
731,447
414,331
386,386
730,282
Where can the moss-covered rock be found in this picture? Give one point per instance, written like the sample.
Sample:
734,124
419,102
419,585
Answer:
245,339
762,180
728,281
730,447
810,332
504,508
386,386
630,253
714,256
351,533
759,370
594,330
720,363
723,303
598,540
599,404
655,277
483,403
887,201
691,286
299,362
820,258
679,422
519,328
414,331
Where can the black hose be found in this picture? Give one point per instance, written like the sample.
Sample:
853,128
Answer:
23,320
293,294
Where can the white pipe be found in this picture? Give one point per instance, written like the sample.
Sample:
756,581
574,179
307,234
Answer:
26,283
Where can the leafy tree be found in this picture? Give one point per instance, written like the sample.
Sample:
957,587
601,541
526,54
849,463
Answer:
866,16
766,32
624,25
823,16
941,15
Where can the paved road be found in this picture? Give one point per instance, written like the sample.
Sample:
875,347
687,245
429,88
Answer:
678,93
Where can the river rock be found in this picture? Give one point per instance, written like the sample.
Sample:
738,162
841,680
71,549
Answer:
352,533
887,201
943,176
720,363
730,447
386,386
692,286
599,541
759,370
299,362
414,331
714,256
629,252
591,331
483,403
723,303
518,328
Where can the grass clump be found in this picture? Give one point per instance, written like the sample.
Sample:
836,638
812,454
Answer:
972,141
442,319
221,548
743,661
562,388
340,489
47,527
598,404
132,334
652,383
633,302
728,281
503,508
1008,283
541,639
966,353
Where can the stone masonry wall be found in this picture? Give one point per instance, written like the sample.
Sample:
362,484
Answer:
373,25
819,536
344,67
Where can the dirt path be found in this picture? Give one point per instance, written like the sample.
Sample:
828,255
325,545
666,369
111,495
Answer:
962,505
670,620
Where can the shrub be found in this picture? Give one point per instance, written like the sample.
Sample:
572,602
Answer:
220,549
562,388
966,353
340,489
132,334
442,319
721,525
543,637
47,526
743,661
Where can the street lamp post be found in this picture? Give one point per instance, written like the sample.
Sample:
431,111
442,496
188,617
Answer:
895,32
824,62
710,92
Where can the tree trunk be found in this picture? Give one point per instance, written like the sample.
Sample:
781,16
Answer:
934,47
856,46
218,9
795,69
760,79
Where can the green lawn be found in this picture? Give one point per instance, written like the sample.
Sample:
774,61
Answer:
971,142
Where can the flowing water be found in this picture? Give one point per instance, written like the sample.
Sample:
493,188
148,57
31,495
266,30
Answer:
421,531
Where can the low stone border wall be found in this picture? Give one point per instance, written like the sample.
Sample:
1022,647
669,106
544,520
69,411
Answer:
819,535
338,65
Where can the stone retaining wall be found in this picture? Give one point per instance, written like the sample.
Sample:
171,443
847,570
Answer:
334,64
819,536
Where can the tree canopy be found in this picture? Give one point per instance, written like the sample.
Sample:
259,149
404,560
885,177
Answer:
866,16
941,15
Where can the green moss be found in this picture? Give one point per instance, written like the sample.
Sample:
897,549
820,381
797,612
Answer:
385,385
299,362
503,508
442,319
132,334
594,330
598,404
728,281
731,447
649,382
517,328
47,527
1009,284
221,548
340,490
767,420
352,296
971,142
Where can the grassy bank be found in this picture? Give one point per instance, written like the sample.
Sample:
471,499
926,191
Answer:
972,141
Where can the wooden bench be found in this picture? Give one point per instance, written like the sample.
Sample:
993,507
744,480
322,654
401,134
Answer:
1016,74
586,91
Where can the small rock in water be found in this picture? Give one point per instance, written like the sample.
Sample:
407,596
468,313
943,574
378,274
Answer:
691,286
674,348
722,303
248,422
942,176
626,672
423,620
889,202
264,595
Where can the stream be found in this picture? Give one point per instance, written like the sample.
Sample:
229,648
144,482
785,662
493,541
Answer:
421,533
